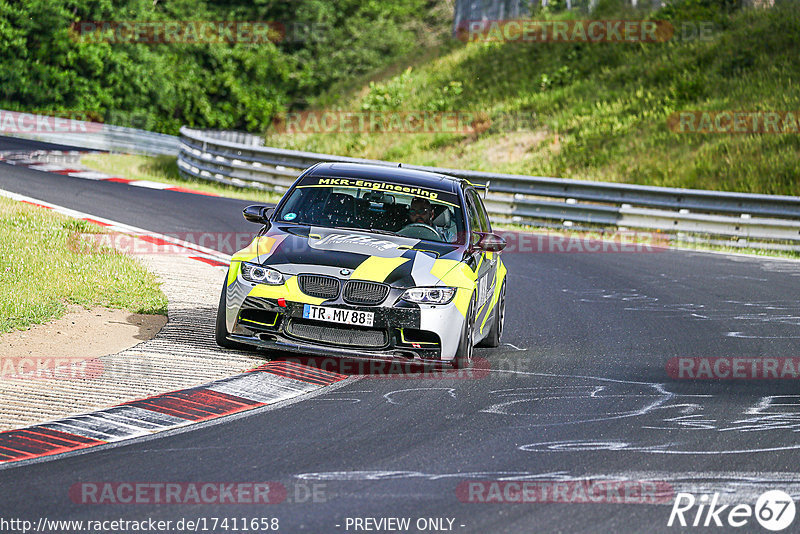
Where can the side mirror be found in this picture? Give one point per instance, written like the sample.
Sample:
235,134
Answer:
487,242
257,214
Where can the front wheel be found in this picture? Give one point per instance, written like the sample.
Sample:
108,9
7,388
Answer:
221,328
463,358
493,338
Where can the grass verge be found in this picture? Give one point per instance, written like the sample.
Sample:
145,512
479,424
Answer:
46,265
163,169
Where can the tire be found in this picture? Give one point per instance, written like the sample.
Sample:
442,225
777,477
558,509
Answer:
493,337
463,358
221,329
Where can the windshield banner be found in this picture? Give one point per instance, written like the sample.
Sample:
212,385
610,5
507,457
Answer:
376,185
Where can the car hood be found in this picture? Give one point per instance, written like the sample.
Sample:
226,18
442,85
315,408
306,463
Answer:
395,260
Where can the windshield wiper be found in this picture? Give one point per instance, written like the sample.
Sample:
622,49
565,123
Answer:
372,230
386,232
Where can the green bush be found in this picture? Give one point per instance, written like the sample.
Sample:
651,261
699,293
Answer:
47,67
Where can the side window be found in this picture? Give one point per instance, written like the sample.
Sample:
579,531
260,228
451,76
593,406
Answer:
474,218
479,221
487,224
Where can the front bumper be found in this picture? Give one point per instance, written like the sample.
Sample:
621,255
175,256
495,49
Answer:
410,332
266,341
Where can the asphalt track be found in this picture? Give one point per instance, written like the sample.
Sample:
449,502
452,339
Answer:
579,391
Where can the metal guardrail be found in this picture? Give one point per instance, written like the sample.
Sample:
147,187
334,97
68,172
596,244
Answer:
521,199
86,134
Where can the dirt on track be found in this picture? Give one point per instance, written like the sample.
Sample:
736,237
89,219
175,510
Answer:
82,334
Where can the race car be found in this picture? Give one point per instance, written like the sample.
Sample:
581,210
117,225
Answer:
368,261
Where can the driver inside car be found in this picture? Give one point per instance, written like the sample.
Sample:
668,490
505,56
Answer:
421,212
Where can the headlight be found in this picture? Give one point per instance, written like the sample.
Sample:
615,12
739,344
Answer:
429,295
259,274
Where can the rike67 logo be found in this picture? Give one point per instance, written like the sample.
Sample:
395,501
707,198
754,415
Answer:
774,510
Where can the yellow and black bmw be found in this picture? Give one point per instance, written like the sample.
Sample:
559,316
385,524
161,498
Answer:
368,261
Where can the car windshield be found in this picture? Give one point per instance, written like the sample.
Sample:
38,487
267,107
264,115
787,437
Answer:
375,206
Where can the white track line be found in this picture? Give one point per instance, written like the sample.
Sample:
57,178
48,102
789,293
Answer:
27,160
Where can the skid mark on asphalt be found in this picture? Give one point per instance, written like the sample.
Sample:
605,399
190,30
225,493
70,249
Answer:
390,396
270,383
677,423
733,486
742,335
542,397
661,448
759,314
790,268
656,394
331,397
685,420
389,475
606,295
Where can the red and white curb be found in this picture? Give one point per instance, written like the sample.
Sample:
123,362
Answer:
270,383
31,160
267,384
171,244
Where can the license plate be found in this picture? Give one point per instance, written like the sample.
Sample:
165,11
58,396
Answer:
337,315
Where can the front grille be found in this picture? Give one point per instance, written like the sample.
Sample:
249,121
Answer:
323,287
337,335
358,292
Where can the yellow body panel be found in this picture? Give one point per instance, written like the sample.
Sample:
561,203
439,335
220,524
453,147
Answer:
377,269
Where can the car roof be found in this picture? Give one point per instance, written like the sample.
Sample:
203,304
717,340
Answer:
430,180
